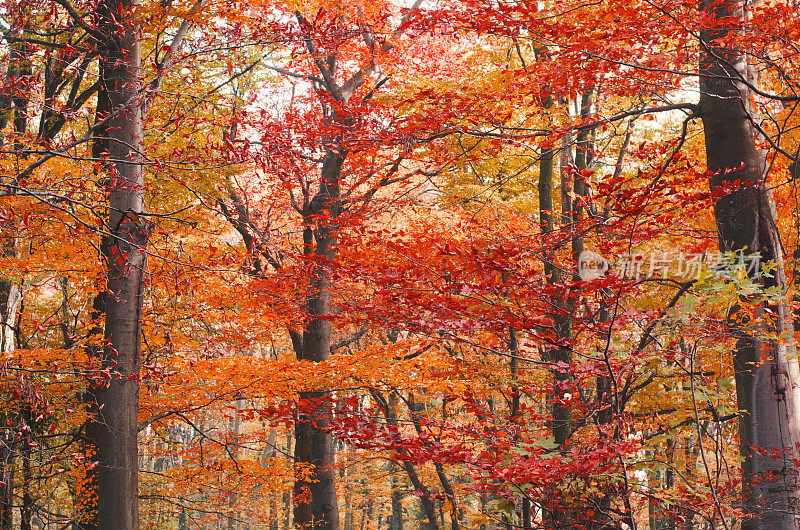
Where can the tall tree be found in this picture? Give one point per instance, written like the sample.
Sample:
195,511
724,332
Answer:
767,373
14,104
323,201
123,246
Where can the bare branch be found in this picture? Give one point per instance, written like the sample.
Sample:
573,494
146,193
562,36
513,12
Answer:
169,58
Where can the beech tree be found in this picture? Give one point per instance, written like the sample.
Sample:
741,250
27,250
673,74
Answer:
326,203
124,249
382,182
765,357
111,34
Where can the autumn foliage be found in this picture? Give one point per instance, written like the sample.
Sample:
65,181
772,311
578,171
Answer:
365,302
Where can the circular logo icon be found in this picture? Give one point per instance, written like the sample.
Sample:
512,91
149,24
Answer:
592,265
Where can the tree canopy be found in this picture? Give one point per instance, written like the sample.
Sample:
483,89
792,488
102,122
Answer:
453,263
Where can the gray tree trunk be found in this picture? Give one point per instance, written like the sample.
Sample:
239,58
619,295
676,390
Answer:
767,391
124,252
236,431
396,522
557,353
315,499
15,106
287,494
7,468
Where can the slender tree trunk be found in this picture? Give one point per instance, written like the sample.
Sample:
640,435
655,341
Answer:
559,354
514,413
527,521
604,385
7,467
13,103
14,100
668,521
10,297
236,431
287,493
691,451
426,503
315,498
397,503
86,486
370,509
270,455
26,509
348,500
767,391
117,388
447,486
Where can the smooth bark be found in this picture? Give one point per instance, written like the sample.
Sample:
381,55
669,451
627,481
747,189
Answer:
7,467
562,412
766,370
396,522
315,504
14,105
558,354
116,388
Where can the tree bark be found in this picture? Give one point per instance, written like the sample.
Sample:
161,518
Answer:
315,504
7,468
426,502
766,391
26,509
559,354
236,431
116,388
287,493
396,522
13,103
10,299
14,100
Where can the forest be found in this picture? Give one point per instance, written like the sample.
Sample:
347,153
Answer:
441,264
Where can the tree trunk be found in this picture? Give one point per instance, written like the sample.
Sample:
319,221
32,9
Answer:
348,499
26,509
287,493
315,498
559,354
7,467
14,105
604,385
447,487
767,391
236,431
426,503
123,247
397,503
86,486
10,298
14,99
668,521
